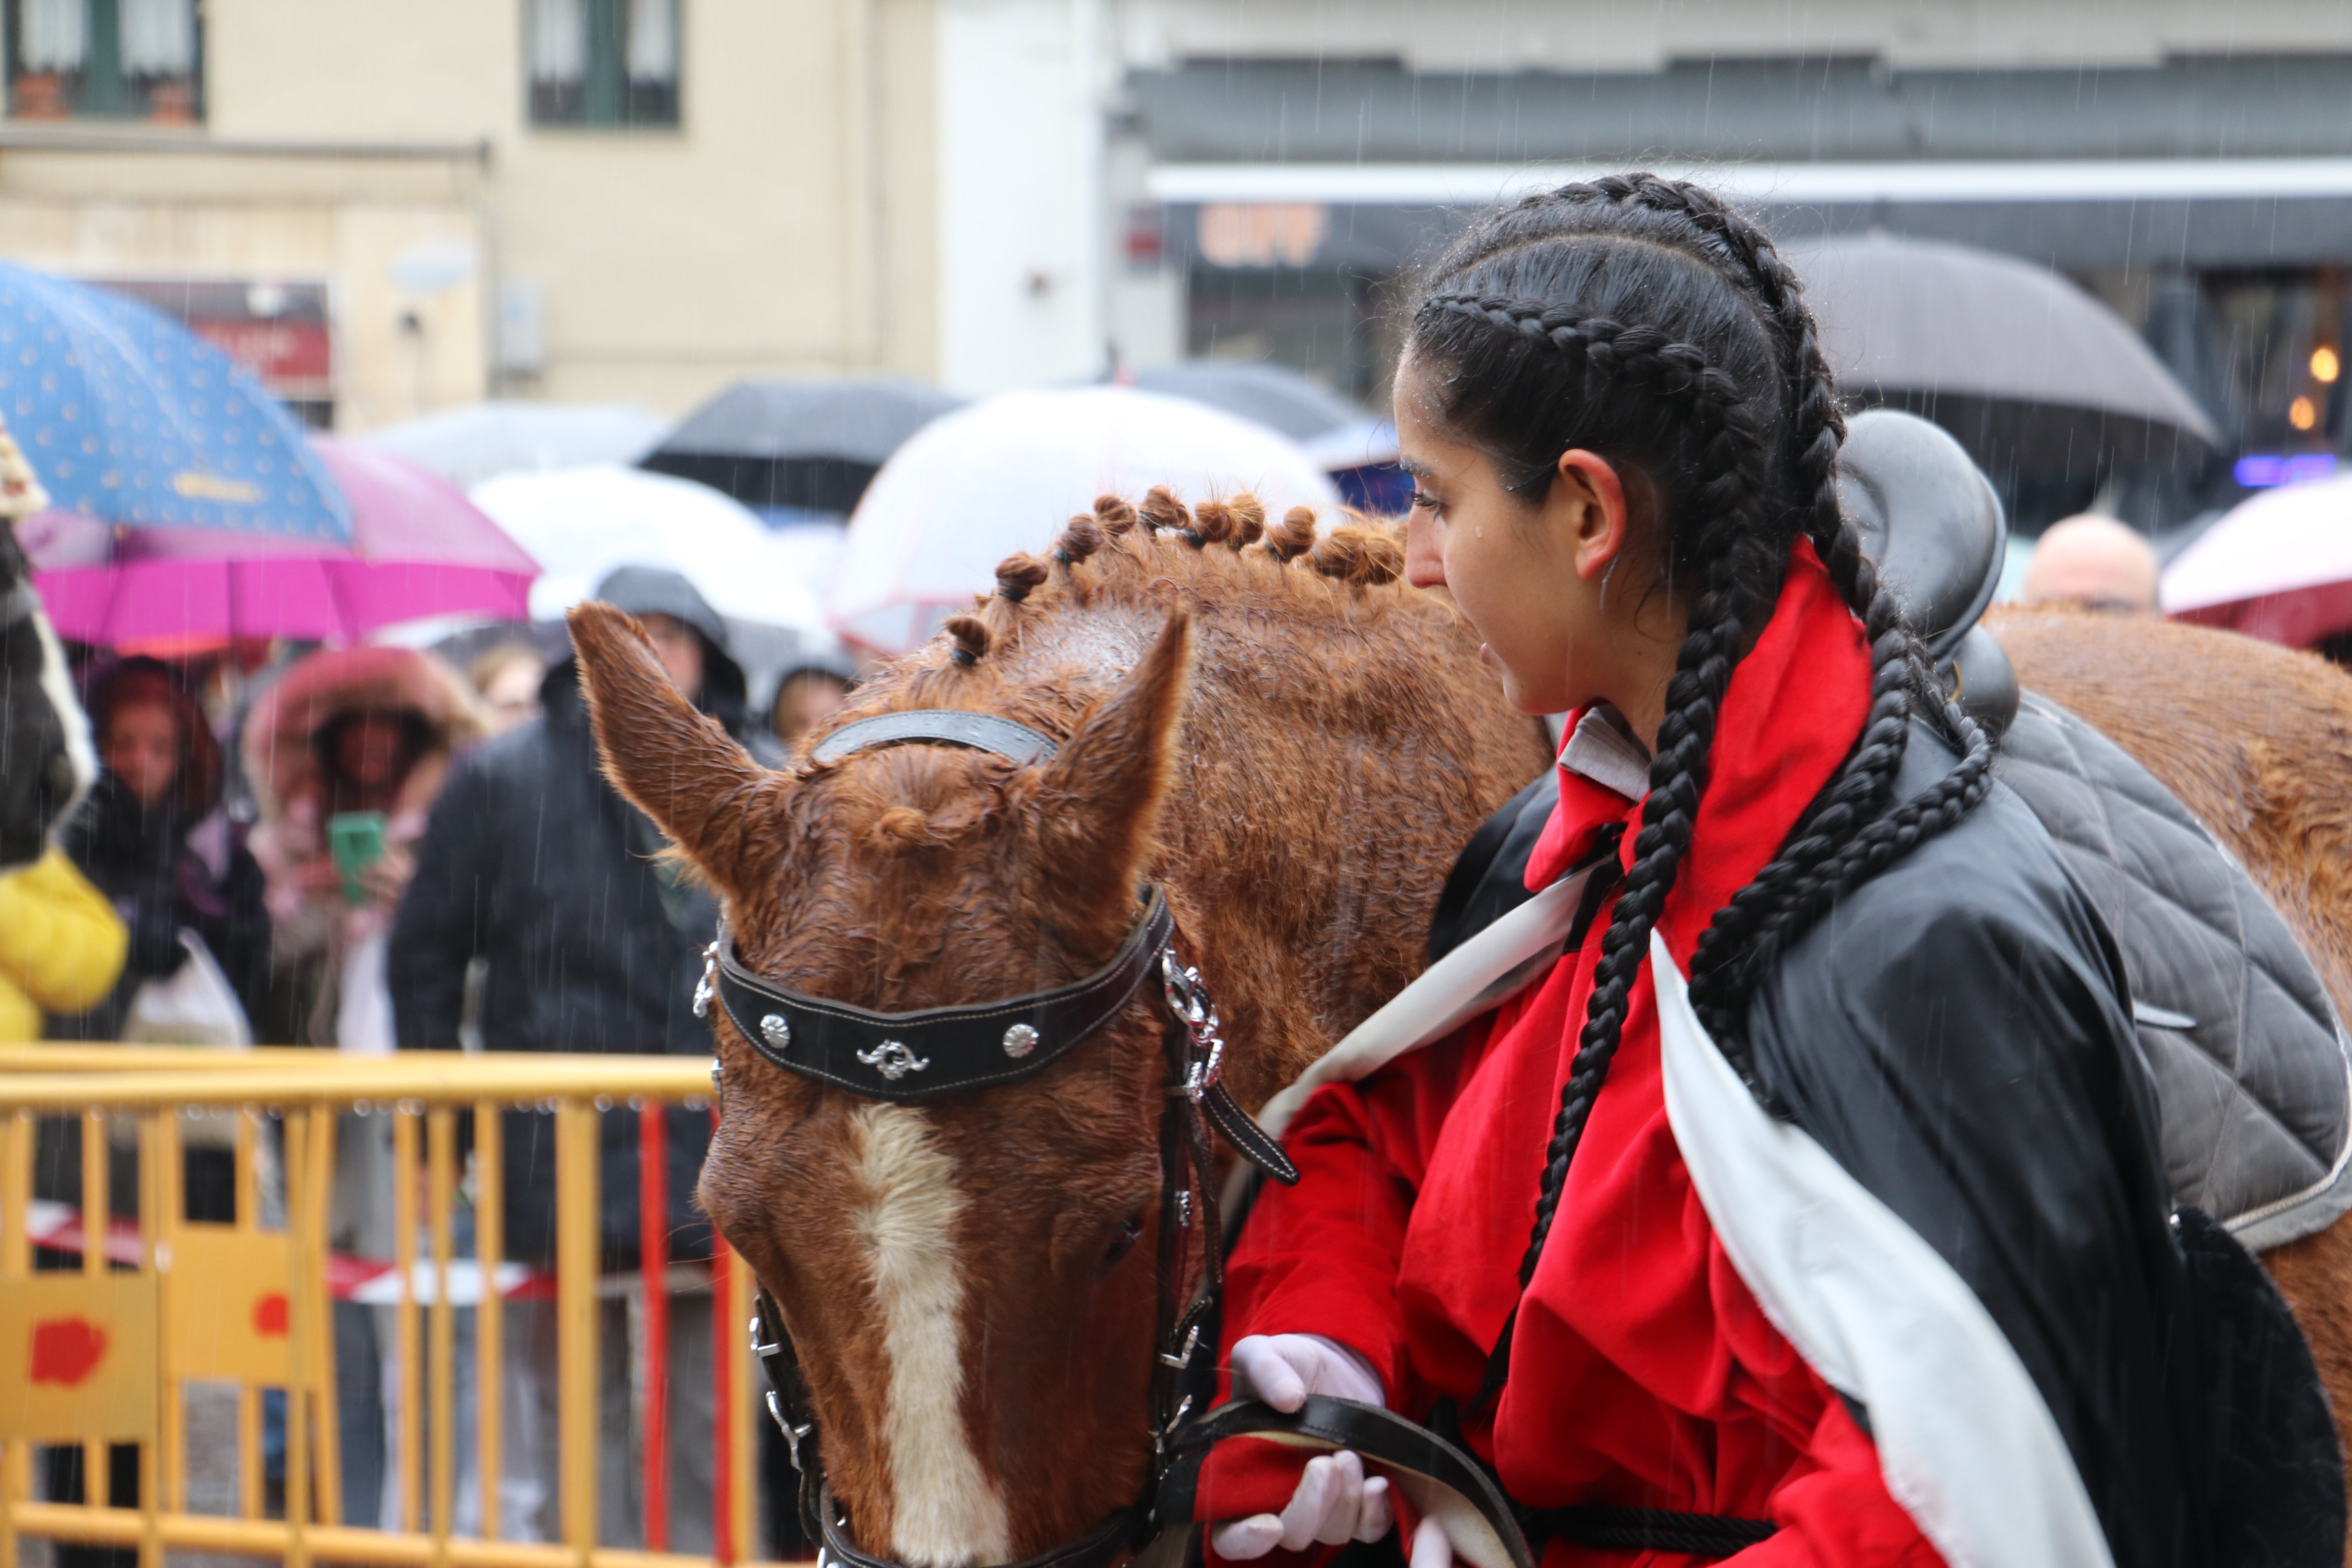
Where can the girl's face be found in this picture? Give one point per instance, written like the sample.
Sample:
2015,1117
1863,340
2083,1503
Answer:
143,750
1567,619
368,750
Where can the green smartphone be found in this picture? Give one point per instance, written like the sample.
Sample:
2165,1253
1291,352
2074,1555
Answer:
355,840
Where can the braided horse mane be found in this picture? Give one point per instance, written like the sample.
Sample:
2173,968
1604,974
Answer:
1317,674
1161,542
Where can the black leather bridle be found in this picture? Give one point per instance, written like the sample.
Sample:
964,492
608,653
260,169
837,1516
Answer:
923,1054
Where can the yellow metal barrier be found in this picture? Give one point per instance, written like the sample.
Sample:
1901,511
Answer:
100,1356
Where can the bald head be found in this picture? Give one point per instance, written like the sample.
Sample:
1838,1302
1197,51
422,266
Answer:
2094,561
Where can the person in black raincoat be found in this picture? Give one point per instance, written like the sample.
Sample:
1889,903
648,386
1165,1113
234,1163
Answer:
533,867
154,840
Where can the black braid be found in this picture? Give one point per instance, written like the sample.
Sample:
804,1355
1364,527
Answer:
1747,474
1729,481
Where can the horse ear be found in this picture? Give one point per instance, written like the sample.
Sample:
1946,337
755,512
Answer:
678,766
1101,793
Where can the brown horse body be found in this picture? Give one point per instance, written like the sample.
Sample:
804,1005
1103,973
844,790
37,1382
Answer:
2257,741
1293,749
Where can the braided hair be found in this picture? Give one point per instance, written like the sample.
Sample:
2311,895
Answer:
1645,320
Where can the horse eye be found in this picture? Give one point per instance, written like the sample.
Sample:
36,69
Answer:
1121,1244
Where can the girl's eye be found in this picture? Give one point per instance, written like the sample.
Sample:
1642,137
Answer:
1423,501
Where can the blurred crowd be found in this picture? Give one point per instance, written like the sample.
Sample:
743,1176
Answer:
369,849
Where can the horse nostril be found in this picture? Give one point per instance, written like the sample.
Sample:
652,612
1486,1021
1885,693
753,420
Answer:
1121,1244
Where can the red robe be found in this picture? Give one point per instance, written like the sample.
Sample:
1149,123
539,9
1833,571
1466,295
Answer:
1642,1373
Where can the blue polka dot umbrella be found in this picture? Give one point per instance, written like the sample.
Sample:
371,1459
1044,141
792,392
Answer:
129,417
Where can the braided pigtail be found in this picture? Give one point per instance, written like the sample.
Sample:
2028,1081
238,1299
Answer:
1737,555
1646,319
1847,835
1677,778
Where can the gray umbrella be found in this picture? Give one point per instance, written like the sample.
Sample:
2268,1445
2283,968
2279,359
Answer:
1273,395
2026,369
811,444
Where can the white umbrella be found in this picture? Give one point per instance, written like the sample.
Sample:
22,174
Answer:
2277,566
580,523
482,440
1007,474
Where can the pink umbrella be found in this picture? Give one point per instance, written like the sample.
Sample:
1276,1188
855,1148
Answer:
2278,567
418,548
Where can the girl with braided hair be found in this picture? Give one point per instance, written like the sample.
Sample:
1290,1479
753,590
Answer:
1859,1252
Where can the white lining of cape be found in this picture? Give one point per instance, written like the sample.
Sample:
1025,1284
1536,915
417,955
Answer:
1965,1442
1493,967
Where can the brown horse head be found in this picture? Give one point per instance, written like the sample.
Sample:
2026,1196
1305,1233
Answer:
952,1273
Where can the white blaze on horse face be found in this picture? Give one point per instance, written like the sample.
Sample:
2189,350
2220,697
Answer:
945,1509
56,686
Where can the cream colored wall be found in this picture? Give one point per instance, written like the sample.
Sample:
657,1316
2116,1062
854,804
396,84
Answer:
786,227
288,225
762,237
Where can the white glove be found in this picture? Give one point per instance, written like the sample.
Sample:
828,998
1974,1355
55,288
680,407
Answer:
1336,1501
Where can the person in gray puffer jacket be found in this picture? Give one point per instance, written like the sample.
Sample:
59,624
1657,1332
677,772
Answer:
534,864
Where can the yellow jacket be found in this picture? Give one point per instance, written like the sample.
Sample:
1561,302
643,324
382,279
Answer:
61,945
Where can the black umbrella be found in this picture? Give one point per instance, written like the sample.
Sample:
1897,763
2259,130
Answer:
2029,371
810,445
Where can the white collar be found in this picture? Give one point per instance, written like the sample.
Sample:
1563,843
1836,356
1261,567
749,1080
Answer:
1602,752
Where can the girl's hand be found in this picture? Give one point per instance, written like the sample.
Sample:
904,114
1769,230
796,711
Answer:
1336,1501
1283,1369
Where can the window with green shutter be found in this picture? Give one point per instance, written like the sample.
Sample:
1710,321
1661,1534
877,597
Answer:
602,62
106,60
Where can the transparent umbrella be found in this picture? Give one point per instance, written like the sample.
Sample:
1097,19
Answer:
1003,475
580,523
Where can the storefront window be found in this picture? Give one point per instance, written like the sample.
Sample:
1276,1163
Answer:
603,62
105,59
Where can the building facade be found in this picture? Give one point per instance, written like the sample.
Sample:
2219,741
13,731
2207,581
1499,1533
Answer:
394,206
391,206
1266,176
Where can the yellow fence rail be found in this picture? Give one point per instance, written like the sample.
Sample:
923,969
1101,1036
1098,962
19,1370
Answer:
102,1355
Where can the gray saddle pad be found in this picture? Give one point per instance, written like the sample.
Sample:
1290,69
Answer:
2249,1059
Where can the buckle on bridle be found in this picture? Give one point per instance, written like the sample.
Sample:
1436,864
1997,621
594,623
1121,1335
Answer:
792,1435
705,988
1189,1000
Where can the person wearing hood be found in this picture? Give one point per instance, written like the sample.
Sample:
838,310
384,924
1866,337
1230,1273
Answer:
345,753
588,940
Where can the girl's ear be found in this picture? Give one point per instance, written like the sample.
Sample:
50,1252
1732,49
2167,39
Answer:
1589,486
